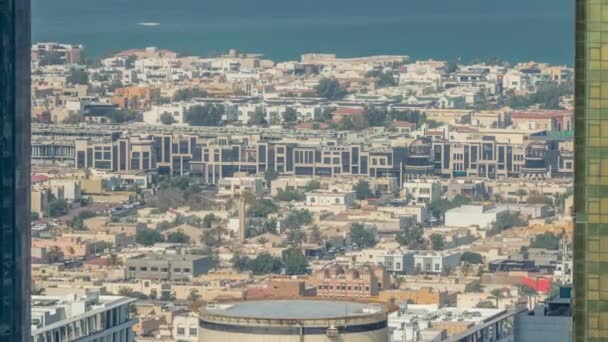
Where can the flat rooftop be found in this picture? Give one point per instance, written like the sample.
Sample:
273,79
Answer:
294,309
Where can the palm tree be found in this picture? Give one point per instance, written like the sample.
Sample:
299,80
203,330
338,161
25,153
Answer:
54,254
497,294
521,193
398,280
115,260
466,268
315,235
125,291
194,295
248,196
37,291
498,198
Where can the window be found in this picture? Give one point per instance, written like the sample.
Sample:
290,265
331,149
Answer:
178,270
164,269
144,269
186,270
131,268
181,331
147,284
427,267
437,267
193,332
154,269
398,266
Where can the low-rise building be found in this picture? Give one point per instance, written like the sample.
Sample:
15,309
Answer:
236,186
435,262
167,267
419,191
185,327
482,216
331,199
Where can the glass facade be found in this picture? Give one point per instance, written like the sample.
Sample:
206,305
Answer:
14,170
591,174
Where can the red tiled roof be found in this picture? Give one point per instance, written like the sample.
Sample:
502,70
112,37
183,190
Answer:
345,111
398,123
39,178
309,125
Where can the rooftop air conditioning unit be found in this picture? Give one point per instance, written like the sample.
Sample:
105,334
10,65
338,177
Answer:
332,331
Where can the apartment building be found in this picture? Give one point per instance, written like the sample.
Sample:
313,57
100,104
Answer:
54,53
215,153
342,281
87,318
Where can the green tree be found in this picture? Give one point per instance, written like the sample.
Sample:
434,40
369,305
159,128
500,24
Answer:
385,79
361,236
208,220
296,218
376,116
497,294
265,264
188,94
207,115
262,208
257,118
439,207
437,242
167,119
295,262
296,236
526,290
57,207
509,220
312,185
472,258
412,236
73,119
178,237
122,115
290,195
546,96
193,296
148,237
474,286
546,240
239,262
315,235
78,76
330,88
485,304
362,190
125,291
270,175
290,115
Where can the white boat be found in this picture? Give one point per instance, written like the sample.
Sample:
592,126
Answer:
148,24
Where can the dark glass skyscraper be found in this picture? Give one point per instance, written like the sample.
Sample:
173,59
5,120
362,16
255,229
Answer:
591,175
14,170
